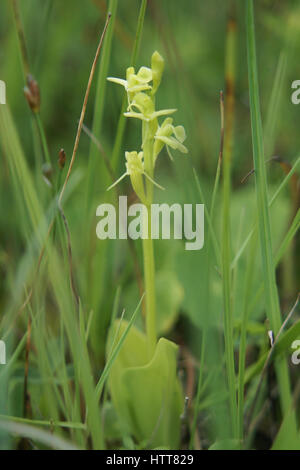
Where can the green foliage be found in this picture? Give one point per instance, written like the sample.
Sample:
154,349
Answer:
146,394
81,391
288,438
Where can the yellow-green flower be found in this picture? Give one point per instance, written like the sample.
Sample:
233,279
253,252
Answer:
135,83
145,105
171,136
135,170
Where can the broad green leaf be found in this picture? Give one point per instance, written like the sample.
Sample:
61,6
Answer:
146,394
287,438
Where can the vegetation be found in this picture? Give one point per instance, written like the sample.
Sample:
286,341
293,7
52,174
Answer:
105,338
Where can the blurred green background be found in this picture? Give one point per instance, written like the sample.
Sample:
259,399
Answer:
61,40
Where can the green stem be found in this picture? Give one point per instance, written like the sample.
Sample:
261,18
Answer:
243,341
149,274
148,251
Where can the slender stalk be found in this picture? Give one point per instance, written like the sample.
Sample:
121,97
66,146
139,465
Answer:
149,274
288,238
21,38
207,292
54,424
26,73
243,339
148,251
99,100
83,111
26,396
226,235
135,52
268,266
43,138
218,173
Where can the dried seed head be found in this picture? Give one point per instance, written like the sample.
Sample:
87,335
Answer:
32,94
61,159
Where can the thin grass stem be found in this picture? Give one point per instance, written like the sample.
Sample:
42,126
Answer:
268,265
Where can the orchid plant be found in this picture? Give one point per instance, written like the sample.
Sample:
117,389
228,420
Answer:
154,406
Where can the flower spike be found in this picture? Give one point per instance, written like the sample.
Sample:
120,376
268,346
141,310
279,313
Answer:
141,88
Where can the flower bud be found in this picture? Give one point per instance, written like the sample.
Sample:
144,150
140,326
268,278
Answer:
135,169
157,65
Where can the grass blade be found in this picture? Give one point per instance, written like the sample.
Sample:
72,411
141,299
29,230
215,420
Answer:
270,287
226,229
115,352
